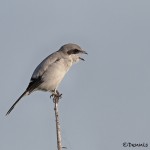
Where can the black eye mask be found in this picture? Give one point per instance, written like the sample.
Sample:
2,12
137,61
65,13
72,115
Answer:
73,51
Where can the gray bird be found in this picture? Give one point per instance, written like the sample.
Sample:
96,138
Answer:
50,72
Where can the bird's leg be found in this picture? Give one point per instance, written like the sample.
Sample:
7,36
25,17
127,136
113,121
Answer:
56,96
53,93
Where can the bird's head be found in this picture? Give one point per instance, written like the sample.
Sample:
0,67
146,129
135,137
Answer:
74,51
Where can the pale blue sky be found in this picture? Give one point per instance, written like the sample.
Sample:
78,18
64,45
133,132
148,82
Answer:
106,99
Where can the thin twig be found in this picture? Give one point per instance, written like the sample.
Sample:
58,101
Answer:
58,129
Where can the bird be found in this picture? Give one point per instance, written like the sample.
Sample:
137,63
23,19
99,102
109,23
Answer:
50,72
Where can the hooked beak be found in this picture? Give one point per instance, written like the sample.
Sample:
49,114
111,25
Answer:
83,52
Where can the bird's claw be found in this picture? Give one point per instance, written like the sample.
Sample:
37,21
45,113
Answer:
56,96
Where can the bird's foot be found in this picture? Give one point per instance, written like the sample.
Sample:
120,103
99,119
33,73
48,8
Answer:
56,96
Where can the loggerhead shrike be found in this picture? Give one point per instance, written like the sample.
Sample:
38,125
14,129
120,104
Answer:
50,72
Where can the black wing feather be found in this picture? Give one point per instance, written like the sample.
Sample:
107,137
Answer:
34,83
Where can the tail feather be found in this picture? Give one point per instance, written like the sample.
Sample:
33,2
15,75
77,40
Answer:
12,107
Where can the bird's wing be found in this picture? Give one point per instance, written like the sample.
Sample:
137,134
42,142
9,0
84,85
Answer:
34,83
43,66
36,78
38,73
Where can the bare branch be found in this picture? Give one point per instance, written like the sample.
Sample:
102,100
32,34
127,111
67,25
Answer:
58,129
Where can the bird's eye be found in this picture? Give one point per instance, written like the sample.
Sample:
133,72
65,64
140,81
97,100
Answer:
76,51
73,51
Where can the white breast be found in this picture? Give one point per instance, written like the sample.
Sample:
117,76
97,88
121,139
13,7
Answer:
54,74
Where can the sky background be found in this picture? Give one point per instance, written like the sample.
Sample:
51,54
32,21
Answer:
106,99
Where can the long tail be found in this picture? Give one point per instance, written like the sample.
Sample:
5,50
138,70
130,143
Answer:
12,107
